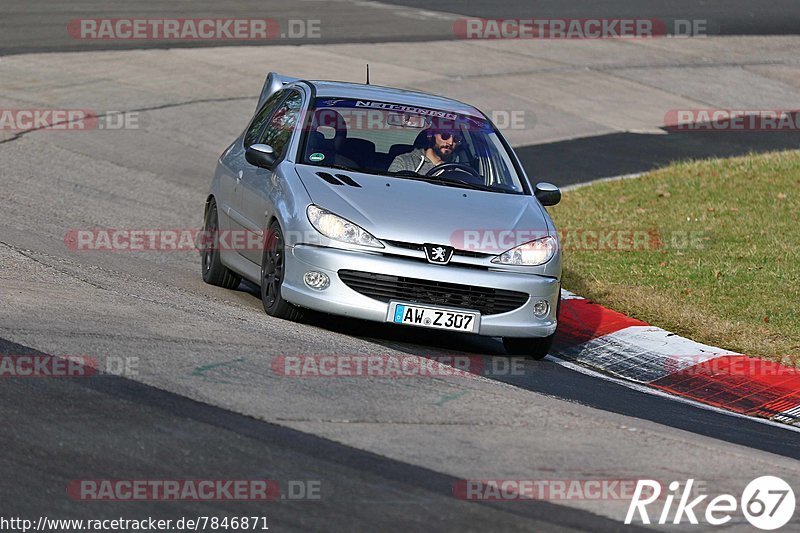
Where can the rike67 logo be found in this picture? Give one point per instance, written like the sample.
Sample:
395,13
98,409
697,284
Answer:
767,502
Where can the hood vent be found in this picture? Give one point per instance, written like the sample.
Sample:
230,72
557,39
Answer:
329,178
345,179
348,180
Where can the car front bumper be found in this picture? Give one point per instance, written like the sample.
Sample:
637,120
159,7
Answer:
339,299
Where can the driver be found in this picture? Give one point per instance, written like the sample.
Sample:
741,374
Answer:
441,146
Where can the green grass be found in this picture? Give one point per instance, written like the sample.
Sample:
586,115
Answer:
727,269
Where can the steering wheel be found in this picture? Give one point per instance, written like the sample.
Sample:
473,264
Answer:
441,167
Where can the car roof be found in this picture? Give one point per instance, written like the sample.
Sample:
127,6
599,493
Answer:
341,89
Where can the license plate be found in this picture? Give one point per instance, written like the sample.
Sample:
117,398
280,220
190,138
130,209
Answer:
434,317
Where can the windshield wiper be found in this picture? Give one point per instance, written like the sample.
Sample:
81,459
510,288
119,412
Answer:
345,167
360,170
466,184
438,180
411,175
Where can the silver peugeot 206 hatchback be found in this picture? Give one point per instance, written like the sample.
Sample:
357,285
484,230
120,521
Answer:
386,205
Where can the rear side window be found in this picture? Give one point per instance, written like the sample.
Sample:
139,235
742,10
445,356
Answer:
282,123
257,126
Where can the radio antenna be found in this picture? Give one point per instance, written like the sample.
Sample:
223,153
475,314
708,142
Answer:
367,73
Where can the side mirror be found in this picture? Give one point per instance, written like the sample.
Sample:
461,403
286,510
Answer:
260,155
547,193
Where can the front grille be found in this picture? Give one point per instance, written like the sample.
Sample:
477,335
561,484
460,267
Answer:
470,253
418,247
384,288
406,245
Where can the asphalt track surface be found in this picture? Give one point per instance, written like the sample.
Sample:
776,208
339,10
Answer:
125,426
387,453
616,154
41,26
724,17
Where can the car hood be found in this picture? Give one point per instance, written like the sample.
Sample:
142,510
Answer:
406,210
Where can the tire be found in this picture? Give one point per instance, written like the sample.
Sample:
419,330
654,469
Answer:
273,271
533,347
214,272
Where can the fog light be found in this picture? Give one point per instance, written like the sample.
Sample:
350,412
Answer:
316,280
541,308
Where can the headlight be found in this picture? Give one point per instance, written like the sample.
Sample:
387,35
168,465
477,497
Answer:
336,228
532,253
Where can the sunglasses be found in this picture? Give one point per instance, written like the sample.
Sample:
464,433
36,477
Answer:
446,135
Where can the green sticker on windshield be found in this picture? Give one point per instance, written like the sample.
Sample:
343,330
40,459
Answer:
316,156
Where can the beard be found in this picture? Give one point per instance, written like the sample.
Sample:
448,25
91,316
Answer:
443,153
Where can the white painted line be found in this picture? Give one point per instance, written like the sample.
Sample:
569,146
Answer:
601,180
656,392
567,295
643,353
655,339
407,12
789,415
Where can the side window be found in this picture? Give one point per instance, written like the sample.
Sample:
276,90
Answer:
281,125
251,137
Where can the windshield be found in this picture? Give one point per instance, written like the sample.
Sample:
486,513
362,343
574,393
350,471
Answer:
410,142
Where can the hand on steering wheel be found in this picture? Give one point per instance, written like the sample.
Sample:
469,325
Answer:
441,167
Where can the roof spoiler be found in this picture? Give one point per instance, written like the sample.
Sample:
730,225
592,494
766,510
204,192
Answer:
273,84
